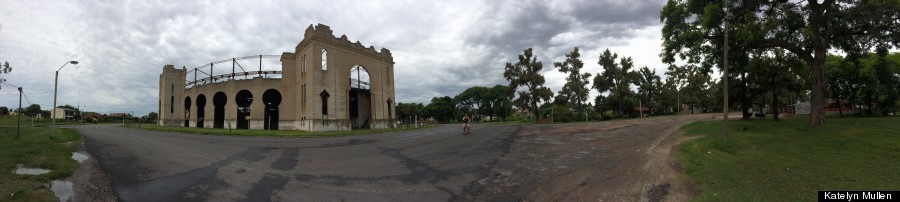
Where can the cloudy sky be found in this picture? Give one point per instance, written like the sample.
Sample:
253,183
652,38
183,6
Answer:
121,46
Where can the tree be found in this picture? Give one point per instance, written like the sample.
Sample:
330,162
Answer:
616,79
694,30
4,110
774,72
152,116
441,108
497,102
33,109
472,100
649,85
576,88
527,72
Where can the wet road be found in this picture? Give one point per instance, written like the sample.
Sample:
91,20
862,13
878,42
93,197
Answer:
432,164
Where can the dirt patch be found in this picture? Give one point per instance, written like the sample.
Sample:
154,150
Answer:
91,184
626,160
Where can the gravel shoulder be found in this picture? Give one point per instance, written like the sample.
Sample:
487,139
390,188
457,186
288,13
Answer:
90,182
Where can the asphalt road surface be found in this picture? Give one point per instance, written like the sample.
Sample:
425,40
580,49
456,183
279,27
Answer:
496,162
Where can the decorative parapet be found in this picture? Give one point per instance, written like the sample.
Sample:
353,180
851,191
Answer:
322,33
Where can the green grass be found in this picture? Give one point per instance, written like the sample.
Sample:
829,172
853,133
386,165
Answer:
27,121
268,133
36,150
789,160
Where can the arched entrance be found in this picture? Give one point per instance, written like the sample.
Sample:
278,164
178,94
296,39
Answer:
360,99
187,111
390,114
219,100
243,99
201,109
271,98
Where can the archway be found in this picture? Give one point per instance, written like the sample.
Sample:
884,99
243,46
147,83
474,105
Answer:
201,109
187,111
271,98
390,113
219,100
359,99
243,99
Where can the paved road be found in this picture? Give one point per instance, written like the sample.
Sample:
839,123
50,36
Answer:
556,162
423,165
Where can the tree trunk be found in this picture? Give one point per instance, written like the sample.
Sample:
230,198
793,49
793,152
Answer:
745,101
775,104
840,107
817,97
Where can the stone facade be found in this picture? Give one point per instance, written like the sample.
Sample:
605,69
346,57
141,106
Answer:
296,100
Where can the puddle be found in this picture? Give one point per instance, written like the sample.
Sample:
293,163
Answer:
22,170
62,190
79,157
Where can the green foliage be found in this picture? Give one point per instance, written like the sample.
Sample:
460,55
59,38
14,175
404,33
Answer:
153,116
33,109
527,72
695,31
869,80
649,87
441,108
774,161
576,88
616,80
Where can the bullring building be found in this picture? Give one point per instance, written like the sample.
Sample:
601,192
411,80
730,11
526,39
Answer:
327,84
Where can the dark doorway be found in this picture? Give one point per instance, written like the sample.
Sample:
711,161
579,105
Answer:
359,98
187,112
201,109
271,98
219,100
243,99
390,114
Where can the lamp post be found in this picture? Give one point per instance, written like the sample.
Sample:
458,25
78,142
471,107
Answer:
55,86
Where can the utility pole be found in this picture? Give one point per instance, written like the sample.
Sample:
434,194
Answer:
19,115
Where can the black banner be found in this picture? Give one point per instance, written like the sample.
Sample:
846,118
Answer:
859,195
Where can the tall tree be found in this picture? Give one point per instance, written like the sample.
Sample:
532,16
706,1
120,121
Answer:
649,85
616,79
695,31
441,108
472,100
576,88
527,72
497,102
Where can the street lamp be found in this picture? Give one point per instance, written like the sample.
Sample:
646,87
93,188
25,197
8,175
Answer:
55,86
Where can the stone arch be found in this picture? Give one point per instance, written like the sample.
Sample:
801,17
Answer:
219,101
359,99
201,109
271,99
243,99
187,111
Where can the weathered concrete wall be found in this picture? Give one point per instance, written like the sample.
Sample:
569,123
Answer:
303,80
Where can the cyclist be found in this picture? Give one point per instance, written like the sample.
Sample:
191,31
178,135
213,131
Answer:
466,124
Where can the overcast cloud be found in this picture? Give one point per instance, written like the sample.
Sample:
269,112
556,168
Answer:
123,45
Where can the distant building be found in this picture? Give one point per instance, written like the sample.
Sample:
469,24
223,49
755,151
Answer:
119,114
63,113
